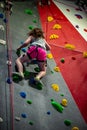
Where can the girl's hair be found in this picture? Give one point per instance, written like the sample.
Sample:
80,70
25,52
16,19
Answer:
36,32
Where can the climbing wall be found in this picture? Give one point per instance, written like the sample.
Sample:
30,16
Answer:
25,106
4,86
69,47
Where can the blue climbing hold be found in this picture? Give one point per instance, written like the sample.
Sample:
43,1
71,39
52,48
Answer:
5,20
22,42
23,49
31,80
9,81
48,112
23,94
24,115
1,15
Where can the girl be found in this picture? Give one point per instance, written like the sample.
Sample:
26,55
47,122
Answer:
37,47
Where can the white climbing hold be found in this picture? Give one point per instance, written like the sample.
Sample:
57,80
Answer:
9,62
2,5
2,28
2,42
1,120
17,118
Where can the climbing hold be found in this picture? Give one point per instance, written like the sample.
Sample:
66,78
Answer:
9,81
52,72
62,95
67,122
31,81
62,60
78,16
68,10
57,69
34,21
31,123
9,63
57,26
54,36
27,11
57,106
85,29
55,87
23,94
1,15
85,54
49,18
64,102
48,112
29,101
49,56
23,49
73,58
2,28
52,100
5,20
77,26
75,128
37,69
39,85
16,79
30,27
3,42
2,5
22,42
1,120
70,46
26,74
24,115
18,52
17,118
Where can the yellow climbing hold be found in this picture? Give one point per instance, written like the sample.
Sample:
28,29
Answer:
54,36
50,18
75,128
64,102
57,26
57,69
49,56
70,46
55,87
85,54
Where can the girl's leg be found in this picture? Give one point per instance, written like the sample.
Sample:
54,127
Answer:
42,73
19,62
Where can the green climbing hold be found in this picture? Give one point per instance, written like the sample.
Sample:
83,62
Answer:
62,95
39,85
29,102
27,11
34,21
30,27
52,100
31,123
26,74
18,53
57,106
37,69
67,122
52,72
62,60
16,78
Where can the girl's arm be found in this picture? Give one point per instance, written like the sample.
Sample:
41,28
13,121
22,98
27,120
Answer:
48,47
26,43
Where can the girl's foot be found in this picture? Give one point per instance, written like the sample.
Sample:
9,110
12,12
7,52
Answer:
21,75
37,81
